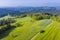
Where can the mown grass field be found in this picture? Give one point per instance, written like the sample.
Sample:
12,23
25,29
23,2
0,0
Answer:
52,32
31,30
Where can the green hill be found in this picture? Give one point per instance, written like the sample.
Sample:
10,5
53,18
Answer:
30,28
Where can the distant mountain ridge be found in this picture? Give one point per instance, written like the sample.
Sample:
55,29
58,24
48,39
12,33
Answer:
22,10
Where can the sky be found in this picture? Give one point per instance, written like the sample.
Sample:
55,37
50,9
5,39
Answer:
34,3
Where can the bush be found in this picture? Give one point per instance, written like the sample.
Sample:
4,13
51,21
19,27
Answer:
42,31
18,24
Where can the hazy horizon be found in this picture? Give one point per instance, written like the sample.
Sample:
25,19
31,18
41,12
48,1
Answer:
27,3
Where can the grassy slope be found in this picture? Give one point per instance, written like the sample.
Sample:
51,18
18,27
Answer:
52,32
28,30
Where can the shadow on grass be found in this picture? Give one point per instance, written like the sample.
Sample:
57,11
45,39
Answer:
5,32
